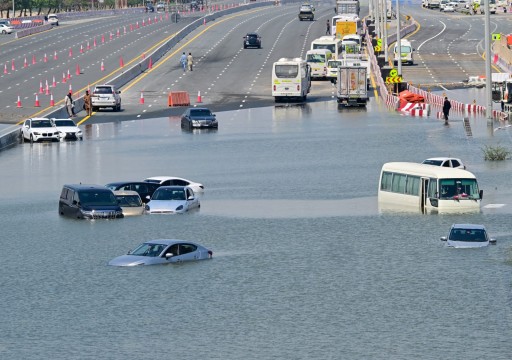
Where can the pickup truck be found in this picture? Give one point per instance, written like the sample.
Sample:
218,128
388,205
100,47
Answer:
106,96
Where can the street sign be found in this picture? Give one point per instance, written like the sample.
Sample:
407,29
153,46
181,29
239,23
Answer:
378,48
496,36
393,79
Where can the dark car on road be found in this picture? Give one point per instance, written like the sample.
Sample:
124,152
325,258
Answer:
144,189
198,118
252,40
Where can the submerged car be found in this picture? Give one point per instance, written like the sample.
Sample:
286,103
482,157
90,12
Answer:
143,188
198,118
67,129
172,181
130,202
445,162
468,236
172,200
252,40
163,251
81,201
39,129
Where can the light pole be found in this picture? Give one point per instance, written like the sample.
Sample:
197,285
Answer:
13,9
488,75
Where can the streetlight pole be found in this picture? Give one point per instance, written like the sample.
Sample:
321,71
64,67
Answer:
398,39
13,14
488,75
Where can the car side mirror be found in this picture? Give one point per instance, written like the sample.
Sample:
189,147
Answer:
443,238
190,198
148,197
75,202
492,241
169,255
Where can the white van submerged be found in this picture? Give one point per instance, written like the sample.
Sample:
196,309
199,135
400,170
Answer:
291,78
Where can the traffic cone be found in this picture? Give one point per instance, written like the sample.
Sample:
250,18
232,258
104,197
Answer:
199,97
70,89
88,45
102,38
150,65
54,83
124,30
81,49
55,55
121,62
70,52
36,104
33,59
13,68
64,79
52,102
47,88
143,23
5,69
45,59
25,64
18,104
141,101
137,25
143,56
77,69
69,75
102,67
94,42
40,87
111,35
204,21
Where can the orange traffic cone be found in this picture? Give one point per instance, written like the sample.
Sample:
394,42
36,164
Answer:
199,97
33,59
5,69
36,104
13,68
141,101
70,89
54,83
45,59
52,102
121,62
88,45
40,87
25,64
18,104
150,65
77,69
69,75
143,56
55,55
47,88
102,67
64,79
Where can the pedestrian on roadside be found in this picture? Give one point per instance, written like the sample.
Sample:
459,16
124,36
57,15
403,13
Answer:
183,61
69,104
190,61
446,109
87,103
328,31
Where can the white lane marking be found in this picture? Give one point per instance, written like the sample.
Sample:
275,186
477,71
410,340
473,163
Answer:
433,37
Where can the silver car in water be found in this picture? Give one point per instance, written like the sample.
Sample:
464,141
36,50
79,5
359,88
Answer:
172,200
163,251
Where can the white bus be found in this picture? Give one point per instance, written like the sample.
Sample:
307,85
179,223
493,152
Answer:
317,61
291,78
330,43
427,188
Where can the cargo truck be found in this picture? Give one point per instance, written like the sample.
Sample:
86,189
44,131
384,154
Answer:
351,86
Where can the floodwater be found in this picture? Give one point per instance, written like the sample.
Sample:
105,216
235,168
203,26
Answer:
304,266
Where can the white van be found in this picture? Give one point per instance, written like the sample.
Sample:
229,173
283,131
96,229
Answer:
406,52
291,78
317,61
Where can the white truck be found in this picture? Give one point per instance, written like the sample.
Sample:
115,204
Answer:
433,4
347,7
351,86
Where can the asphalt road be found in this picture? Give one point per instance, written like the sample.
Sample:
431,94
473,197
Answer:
449,47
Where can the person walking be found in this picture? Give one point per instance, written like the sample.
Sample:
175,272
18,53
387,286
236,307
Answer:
69,104
87,103
446,109
190,61
328,31
183,61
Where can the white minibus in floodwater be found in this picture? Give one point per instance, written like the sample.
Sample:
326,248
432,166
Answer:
427,188
291,78
330,43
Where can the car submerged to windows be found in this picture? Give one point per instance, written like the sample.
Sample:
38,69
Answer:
67,129
445,162
163,251
82,201
468,236
130,202
172,200
175,181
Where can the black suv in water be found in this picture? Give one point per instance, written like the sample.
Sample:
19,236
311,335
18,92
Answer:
252,40
88,202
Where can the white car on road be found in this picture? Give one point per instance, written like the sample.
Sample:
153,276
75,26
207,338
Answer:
39,129
5,29
67,129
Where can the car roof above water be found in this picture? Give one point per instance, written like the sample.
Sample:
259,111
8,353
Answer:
80,187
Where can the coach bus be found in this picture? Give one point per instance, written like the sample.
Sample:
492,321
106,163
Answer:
427,188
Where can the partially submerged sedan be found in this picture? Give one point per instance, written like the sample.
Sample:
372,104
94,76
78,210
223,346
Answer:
163,251
172,200
130,202
67,129
198,118
468,236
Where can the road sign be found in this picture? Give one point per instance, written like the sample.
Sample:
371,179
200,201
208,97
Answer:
393,79
378,48
379,42
496,36
393,73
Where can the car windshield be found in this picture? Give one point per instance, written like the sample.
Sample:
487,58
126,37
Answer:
252,36
64,123
287,71
95,197
169,194
200,112
153,181
148,249
103,90
433,162
469,235
459,189
41,123
129,200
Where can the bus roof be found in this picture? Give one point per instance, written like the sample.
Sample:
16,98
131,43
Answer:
426,170
325,40
291,60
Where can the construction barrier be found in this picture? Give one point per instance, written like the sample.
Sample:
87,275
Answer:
179,98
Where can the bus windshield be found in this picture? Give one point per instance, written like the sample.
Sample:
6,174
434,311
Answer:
403,49
330,47
287,71
459,189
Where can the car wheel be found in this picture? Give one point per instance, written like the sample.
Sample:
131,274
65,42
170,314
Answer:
4,32
31,139
94,108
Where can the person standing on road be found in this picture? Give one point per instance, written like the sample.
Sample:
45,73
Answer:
183,61
87,103
328,31
190,61
446,109
69,104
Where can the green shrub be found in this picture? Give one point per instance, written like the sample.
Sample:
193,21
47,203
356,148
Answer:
495,153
